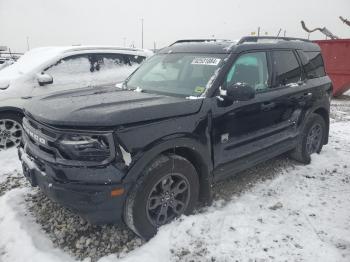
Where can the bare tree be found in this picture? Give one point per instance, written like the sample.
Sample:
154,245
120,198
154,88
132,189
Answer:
345,21
323,30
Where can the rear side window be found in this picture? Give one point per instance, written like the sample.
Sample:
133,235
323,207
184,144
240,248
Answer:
135,59
313,64
286,68
111,68
107,61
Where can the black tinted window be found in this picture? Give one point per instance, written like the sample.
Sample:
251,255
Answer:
286,67
135,59
313,64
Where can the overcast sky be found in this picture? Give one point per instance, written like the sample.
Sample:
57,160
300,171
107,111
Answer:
115,22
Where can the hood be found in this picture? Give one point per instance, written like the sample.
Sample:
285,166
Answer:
106,107
8,74
5,81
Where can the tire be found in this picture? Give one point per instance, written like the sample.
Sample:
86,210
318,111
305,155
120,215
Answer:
148,201
10,130
303,151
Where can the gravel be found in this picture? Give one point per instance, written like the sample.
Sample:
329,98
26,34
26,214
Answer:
340,109
76,236
83,240
12,181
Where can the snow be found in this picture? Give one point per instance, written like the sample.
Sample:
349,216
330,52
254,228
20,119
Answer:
21,238
194,97
310,222
40,56
9,164
302,214
31,60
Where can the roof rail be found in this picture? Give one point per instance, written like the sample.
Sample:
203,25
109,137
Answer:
199,41
256,38
87,48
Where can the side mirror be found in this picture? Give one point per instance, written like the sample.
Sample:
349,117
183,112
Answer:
44,79
238,92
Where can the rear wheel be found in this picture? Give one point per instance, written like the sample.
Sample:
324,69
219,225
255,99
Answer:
168,188
311,139
10,130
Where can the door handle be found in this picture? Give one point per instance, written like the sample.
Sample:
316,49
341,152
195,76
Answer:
267,106
307,96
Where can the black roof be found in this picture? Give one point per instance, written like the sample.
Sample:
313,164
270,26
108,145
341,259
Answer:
218,46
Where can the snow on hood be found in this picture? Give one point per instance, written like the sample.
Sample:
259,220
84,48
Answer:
106,107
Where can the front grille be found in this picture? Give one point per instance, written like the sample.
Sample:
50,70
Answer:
44,143
40,137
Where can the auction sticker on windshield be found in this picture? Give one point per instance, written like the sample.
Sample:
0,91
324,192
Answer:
206,61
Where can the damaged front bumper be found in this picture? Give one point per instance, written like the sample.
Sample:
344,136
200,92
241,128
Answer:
95,193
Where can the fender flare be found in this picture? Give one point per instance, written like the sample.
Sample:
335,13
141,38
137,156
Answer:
203,164
11,109
321,110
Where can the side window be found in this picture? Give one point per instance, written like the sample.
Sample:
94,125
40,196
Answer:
107,61
110,68
250,68
286,67
70,70
135,59
313,64
70,65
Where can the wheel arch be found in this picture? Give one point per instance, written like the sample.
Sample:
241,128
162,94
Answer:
195,152
10,109
324,113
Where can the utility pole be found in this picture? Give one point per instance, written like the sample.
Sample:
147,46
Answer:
258,31
28,43
142,32
284,33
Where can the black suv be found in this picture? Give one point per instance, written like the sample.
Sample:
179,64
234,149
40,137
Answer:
196,112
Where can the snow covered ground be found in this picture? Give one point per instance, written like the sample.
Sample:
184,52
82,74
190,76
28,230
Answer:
277,211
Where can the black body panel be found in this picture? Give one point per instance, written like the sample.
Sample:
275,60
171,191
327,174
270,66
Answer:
108,107
219,136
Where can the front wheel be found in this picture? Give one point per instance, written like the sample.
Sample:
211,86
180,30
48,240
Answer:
311,139
168,188
10,130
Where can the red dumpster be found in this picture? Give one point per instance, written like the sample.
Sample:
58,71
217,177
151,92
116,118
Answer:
336,55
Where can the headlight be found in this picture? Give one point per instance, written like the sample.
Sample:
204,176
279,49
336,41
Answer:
95,148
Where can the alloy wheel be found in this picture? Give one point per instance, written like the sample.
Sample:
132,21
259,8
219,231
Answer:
168,199
314,139
10,133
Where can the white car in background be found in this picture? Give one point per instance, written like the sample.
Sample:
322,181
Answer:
53,69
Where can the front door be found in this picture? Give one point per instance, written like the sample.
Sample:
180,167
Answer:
68,73
247,132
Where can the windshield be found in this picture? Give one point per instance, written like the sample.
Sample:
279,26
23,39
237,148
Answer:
181,74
